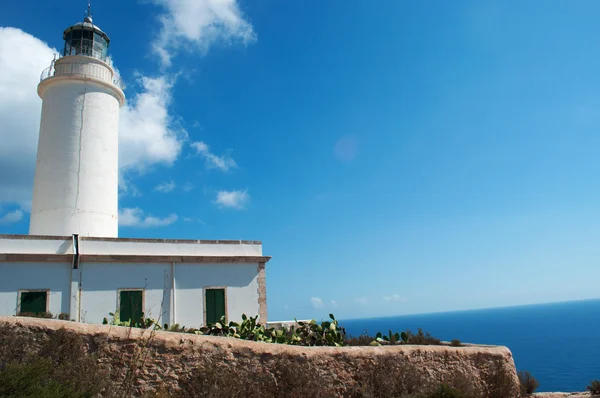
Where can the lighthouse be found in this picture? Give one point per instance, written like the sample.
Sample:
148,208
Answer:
75,188
74,219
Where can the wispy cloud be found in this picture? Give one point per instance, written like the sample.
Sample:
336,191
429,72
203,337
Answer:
223,163
232,199
166,186
334,304
317,302
362,301
346,148
134,217
11,217
394,297
192,219
187,187
127,187
195,25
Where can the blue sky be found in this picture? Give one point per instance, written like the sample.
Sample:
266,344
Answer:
394,157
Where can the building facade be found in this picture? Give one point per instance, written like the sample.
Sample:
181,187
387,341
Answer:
172,281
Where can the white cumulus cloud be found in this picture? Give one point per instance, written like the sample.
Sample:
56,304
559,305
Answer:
11,217
166,186
22,59
317,302
394,297
223,163
134,217
148,133
197,24
232,199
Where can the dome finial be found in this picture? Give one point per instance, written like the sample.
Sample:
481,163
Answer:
88,14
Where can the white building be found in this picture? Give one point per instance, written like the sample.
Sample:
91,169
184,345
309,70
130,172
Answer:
73,262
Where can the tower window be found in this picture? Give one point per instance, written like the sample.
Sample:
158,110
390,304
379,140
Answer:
33,301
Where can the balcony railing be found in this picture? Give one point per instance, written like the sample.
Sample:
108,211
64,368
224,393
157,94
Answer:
85,70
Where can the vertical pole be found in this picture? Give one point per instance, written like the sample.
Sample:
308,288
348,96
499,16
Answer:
173,308
74,294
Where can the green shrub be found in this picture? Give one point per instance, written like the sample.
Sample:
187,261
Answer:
311,333
528,383
499,381
391,338
46,315
327,333
594,387
59,367
143,323
175,328
364,339
421,338
30,378
64,316
456,343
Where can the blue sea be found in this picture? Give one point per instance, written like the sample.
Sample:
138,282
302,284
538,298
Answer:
559,343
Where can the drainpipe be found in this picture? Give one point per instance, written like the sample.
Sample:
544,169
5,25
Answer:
75,251
172,293
75,282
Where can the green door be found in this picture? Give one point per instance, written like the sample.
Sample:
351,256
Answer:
33,302
215,304
130,306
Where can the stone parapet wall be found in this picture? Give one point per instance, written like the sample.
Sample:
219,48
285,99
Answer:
170,357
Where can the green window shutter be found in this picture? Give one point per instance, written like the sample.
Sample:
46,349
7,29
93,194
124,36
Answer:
130,306
215,304
220,303
33,302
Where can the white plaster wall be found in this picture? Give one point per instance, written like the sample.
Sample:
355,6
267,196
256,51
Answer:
91,246
100,282
76,178
36,246
27,275
191,279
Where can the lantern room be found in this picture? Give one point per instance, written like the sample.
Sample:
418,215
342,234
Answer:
85,38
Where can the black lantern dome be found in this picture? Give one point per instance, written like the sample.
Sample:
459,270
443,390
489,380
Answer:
85,38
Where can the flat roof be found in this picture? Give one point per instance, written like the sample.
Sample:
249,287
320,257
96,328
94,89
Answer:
138,240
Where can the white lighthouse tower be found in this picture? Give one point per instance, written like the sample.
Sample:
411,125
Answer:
76,177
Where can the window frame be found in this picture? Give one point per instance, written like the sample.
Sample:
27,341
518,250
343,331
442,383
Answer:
136,289
21,291
204,289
